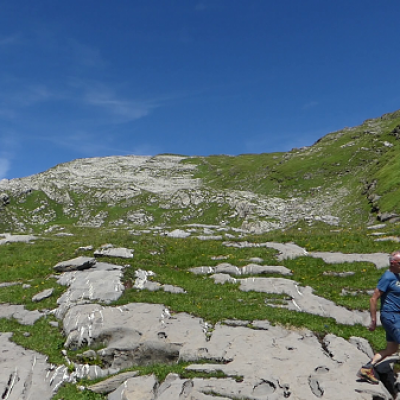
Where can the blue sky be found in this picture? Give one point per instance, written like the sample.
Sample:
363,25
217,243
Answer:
97,78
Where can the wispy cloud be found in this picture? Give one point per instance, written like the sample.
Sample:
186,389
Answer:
10,40
85,55
309,105
4,166
8,143
125,110
87,144
200,7
30,95
80,141
14,101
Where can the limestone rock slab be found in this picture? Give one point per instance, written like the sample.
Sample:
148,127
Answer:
286,250
24,374
142,282
102,283
381,260
42,295
268,358
75,264
141,387
19,312
133,332
118,252
111,384
8,238
250,269
303,299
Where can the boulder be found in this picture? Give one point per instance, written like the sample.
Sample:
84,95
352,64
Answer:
42,295
118,252
112,383
75,264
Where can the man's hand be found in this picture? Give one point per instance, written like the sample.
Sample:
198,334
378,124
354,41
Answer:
372,325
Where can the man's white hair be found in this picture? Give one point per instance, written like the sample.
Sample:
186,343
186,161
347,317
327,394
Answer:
395,256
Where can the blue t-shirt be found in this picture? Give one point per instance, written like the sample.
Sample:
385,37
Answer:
389,284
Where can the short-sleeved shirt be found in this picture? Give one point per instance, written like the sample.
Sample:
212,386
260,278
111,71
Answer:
389,284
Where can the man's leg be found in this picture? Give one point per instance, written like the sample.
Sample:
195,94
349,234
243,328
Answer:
391,348
367,371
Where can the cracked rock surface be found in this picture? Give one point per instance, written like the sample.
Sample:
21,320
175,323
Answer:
260,361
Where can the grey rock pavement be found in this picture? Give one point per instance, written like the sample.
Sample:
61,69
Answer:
300,298
291,250
142,282
250,269
286,250
119,252
267,359
8,238
111,384
260,361
18,312
100,283
379,259
24,374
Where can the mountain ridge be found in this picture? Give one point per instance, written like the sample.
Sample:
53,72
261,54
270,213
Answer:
346,177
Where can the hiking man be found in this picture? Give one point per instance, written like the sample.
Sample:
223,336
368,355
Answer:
388,291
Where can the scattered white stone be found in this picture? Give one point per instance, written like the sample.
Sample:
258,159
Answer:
250,269
178,233
42,295
378,226
203,237
118,252
18,312
78,263
85,248
257,260
7,284
388,239
219,257
16,238
142,282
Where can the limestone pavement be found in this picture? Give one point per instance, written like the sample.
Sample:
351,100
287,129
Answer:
260,361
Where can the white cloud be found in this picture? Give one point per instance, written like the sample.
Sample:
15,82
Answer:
87,144
200,7
9,142
5,165
86,56
13,101
9,40
33,94
126,110
309,105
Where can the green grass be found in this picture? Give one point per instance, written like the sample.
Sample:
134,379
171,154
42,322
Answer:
341,162
171,260
160,372
41,337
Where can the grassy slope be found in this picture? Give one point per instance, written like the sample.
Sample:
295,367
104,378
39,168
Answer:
339,165
349,158
345,159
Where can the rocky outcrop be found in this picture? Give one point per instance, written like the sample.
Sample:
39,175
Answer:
167,183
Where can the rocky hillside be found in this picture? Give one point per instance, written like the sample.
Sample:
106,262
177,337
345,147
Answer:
346,177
